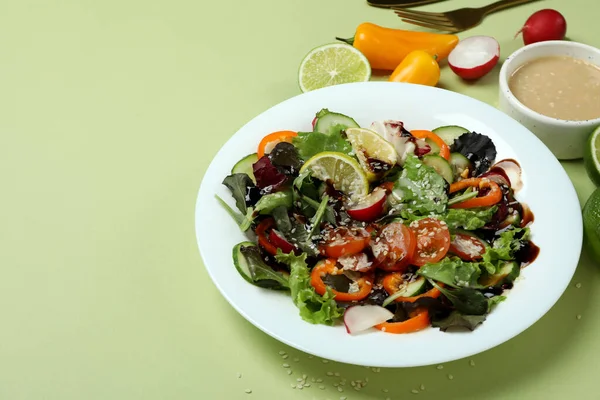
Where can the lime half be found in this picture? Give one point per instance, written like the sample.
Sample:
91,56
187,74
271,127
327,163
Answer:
591,224
375,154
591,156
341,171
333,64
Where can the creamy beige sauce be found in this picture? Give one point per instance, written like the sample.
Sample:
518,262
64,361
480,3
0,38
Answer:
560,87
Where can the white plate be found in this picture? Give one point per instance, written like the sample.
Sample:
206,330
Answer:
557,229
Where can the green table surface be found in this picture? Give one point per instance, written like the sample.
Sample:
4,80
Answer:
110,113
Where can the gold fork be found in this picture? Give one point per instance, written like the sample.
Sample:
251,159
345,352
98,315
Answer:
456,20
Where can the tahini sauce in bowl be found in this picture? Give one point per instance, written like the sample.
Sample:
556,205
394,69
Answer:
558,86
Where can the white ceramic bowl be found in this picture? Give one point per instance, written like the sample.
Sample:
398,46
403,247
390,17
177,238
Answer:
566,139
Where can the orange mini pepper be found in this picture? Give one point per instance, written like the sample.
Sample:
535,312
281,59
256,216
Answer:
417,67
365,283
489,199
386,48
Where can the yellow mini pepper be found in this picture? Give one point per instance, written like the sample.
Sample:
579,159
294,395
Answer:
385,48
417,67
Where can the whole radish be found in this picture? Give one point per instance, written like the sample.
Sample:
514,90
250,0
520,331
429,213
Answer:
544,25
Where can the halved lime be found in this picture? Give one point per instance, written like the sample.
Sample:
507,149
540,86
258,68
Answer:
591,224
333,64
591,156
375,154
341,171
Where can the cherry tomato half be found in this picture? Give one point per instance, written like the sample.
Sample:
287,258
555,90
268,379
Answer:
433,241
394,247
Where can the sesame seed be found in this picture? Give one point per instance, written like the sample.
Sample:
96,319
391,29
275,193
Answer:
415,391
578,285
450,376
307,385
325,361
300,387
353,383
440,367
286,365
285,356
472,363
319,380
281,352
578,316
296,359
367,380
248,391
422,387
313,379
322,387
336,384
293,386
385,390
289,372
329,373
304,376
239,374
336,374
340,389
311,356
343,398
299,379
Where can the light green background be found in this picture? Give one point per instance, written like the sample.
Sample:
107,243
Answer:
110,112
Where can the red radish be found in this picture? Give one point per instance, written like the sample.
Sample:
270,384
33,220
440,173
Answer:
544,25
361,318
314,122
370,207
474,57
278,240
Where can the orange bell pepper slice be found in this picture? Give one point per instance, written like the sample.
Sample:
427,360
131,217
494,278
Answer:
393,280
263,239
328,266
492,197
416,323
268,142
424,134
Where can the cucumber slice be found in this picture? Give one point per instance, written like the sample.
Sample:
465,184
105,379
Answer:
441,166
244,166
450,133
413,288
327,121
240,261
508,272
435,149
512,219
459,164
407,289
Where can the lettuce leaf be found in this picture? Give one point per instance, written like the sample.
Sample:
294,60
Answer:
421,188
313,308
453,272
504,248
311,143
469,219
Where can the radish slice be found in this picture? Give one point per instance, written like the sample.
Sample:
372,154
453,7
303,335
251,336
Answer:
474,57
361,318
370,207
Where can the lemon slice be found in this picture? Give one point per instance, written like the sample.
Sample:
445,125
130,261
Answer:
333,64
343,172
591,157
375,154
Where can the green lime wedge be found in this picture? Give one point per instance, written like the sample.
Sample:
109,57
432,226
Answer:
342,171
591,156
333,64
591,224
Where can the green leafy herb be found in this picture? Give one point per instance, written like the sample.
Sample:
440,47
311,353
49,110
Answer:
493,301
313,308
456,319
239,218
306,195
239,184
465,300
311,143
282,219
421,188
468,219
453,272
505,247
269,202
262,274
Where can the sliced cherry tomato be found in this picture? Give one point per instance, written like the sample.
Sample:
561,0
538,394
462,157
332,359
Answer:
392,282
394,247
433,241
419,321
345,241
278,240
467,247
263,239
268,142
328,267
